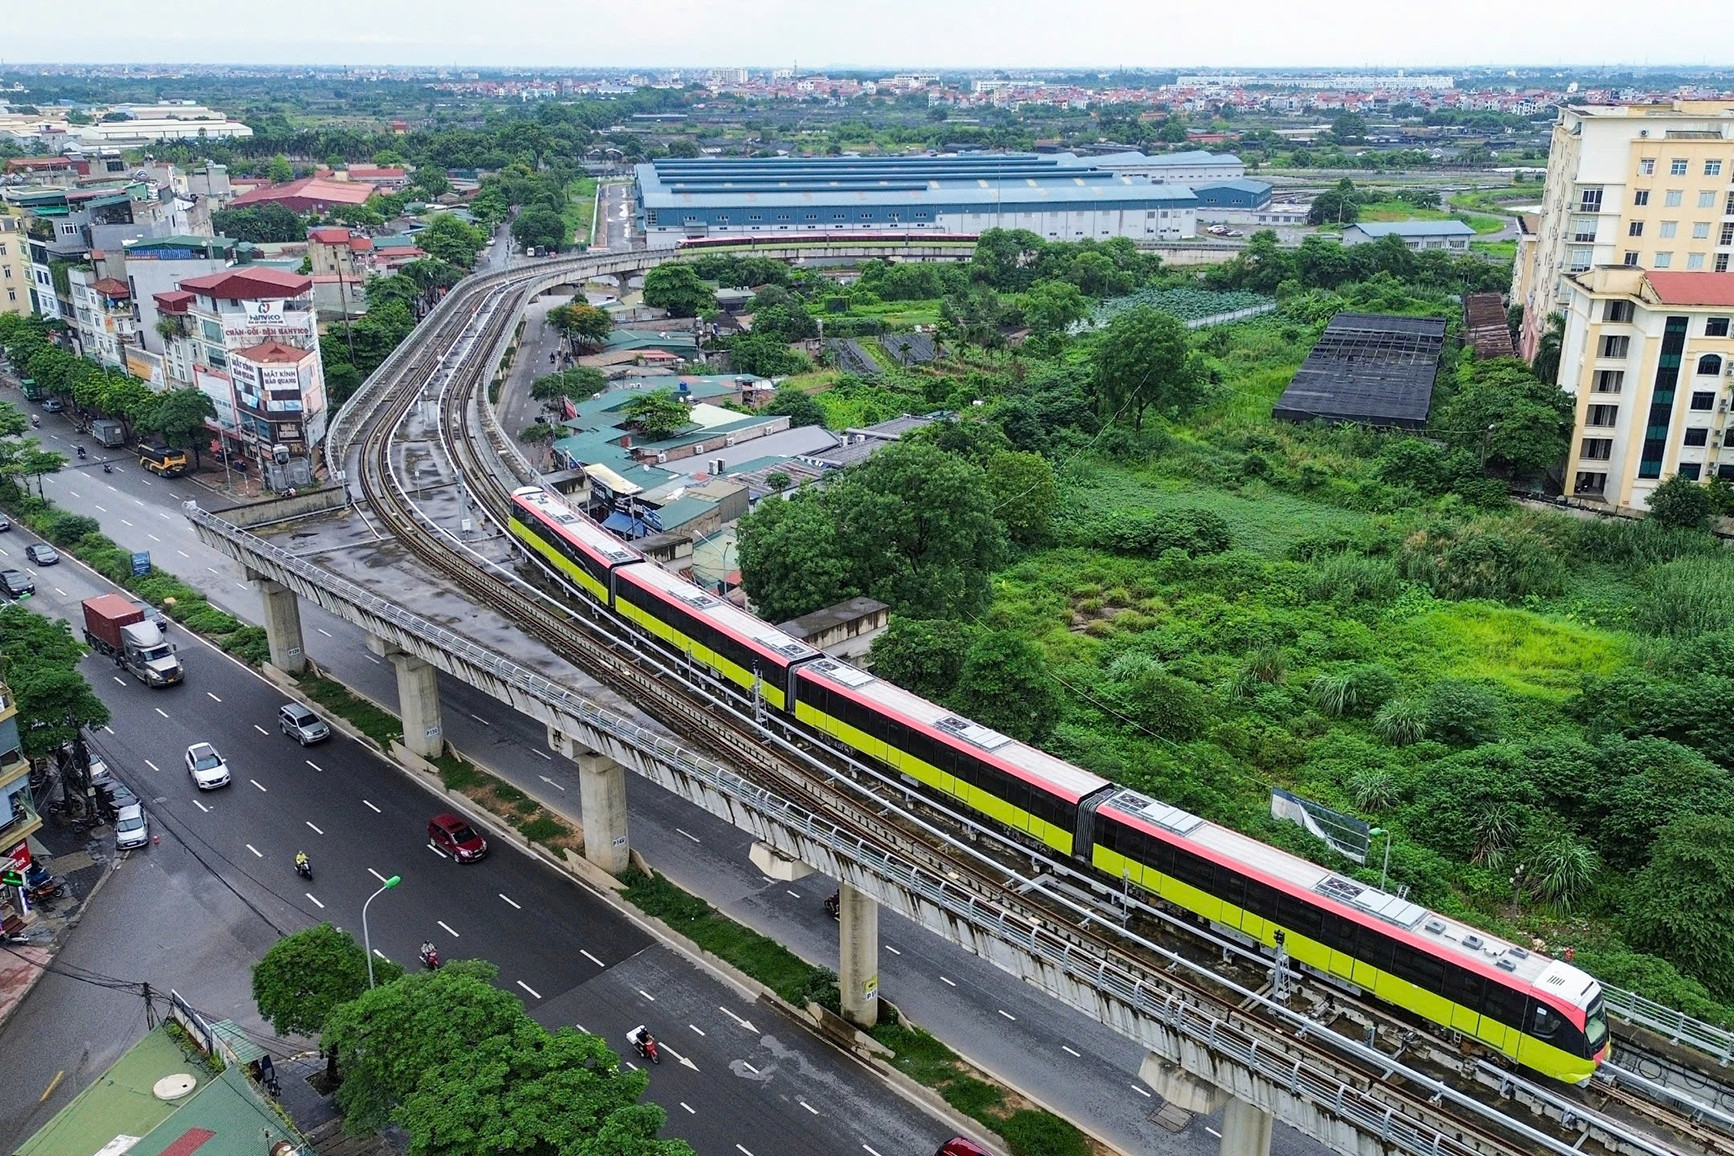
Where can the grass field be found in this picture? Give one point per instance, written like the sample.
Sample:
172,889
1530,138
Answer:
895,314
1402,211
580,207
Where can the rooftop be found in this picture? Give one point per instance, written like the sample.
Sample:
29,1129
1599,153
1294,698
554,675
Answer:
307,188
274,352
1692,288
1414,228
250,283
119,1103
1370,368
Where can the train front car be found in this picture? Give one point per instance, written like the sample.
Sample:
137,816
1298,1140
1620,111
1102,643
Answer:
582,552
1539,1012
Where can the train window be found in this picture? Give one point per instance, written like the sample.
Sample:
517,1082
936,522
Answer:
1504,1005
1465,988
1195,871
1233,887
1544,1022
1339,933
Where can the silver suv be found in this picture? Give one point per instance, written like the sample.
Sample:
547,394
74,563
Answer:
302,725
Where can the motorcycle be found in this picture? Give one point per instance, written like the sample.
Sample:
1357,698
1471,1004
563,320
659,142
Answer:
430,957
834,905
648,1050
304,867
41,884
107,468
82,454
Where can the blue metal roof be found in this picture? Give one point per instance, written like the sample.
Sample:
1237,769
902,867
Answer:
1414,228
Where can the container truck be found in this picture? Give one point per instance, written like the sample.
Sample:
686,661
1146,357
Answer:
115,626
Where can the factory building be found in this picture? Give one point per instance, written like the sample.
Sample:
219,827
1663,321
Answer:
967,193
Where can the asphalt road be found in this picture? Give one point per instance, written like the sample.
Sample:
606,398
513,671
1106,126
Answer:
361,820
1069,1063
615,230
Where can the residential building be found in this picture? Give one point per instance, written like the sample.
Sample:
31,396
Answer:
1640,185
158,264
1452,236
231,319
103,315
307,195
18,818
15,275
385,179
965,193
66,226
1648,355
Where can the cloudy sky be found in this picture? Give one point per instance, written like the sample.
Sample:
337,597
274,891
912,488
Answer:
884,33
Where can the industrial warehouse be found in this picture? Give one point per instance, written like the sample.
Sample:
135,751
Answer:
1058,197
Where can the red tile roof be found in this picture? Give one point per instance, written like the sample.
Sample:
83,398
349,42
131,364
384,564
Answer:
329,234
174,301
1693,288
110,287
250,283
375,173
276,351
311,190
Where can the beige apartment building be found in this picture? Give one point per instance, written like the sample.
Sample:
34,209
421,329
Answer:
1649,186
1649,355
14,266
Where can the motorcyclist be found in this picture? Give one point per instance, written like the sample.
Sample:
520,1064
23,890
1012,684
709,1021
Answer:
303,865
640,1038
81,453
107,468
430,956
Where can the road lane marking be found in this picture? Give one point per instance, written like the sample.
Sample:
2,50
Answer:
374,809
212,569
688,834
1213,1131
1007,1015
696,1028
480,719
214,698
646,995
744,1023
688,1107
201,807
316,902
373,660
152,765
454,934
942,979
152,536
165,514
99,507
183,553
743,1151
891,949
749,1068
243,586
871,1149
379,953
808,1106
106,727
118,679
632,1065
316,766
258,784
324,631
376,874
55,1083
162,712
60,592
508,899
796,894
534,994
550,782
542,754
74,493
317,831
260,729
591,958
1141,1091
124,522
1064,1048
254,850
147,482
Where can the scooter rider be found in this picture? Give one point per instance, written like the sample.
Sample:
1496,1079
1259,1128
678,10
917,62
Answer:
303,865
430,956
640,1038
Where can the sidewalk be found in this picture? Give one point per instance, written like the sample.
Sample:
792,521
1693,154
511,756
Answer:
78,855
316,1116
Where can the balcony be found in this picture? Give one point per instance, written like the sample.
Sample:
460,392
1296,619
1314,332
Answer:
13,766
22,823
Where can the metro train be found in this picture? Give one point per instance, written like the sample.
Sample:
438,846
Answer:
1543,1014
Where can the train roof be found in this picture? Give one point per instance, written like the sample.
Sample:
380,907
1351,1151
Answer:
725,616
1435,933
1026,762
584,533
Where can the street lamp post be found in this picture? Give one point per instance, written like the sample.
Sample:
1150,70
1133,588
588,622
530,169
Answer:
366,940
1384,872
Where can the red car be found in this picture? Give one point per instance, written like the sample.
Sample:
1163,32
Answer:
455,836
961,1146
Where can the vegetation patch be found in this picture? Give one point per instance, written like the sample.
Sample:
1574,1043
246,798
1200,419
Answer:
379,725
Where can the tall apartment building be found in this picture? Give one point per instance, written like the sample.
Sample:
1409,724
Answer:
1649,355
1649,186
18,818
15,275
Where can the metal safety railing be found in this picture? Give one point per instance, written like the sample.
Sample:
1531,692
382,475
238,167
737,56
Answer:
1675,1026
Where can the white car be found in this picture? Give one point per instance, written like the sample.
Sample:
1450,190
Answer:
131,828
207,767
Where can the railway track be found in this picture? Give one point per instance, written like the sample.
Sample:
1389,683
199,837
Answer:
452,365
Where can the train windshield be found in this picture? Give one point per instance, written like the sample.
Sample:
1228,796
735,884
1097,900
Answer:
1596,1024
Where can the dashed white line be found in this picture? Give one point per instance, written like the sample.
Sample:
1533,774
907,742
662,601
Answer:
373,660
258,784
646,995
118,679
60,592
534,994
738,1148
317,831
162,712
106,727
254,850
1064,1048
324,631
152,536
551,782
373,808
124,522
688,1108
243,586
543,754
509,899
1141,1091
696,1028
591,958
891,949
437,851
688,834
942,979
316,766
212,569
796,894
1007,1015
201,807
808,1106
871,1149
260,729
379,953
316,902
213,697
74,493
448,927
480,719
99,507
183,553
152,765
147,482
632,1065
376,874
1213,1131
749,1067
165,514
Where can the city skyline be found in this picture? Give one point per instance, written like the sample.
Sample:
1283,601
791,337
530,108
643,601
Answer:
1104,34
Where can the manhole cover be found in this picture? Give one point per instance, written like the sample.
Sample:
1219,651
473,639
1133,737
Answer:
173,1087
1171,1118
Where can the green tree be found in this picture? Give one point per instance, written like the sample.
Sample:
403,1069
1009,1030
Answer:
179,417
341,381
677,288
307,975
1500,407
1349,127
1681,906
658,414
919,526
923,655
36,462
581,324
279,170
1004,683
1142,363
798,404
683,146
1339,205
1052,307
395,288
55,704
580,381
452,240
540,227
1024,493
763,355
1682,503
791,560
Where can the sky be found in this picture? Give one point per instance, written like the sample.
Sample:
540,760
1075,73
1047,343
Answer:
819,34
